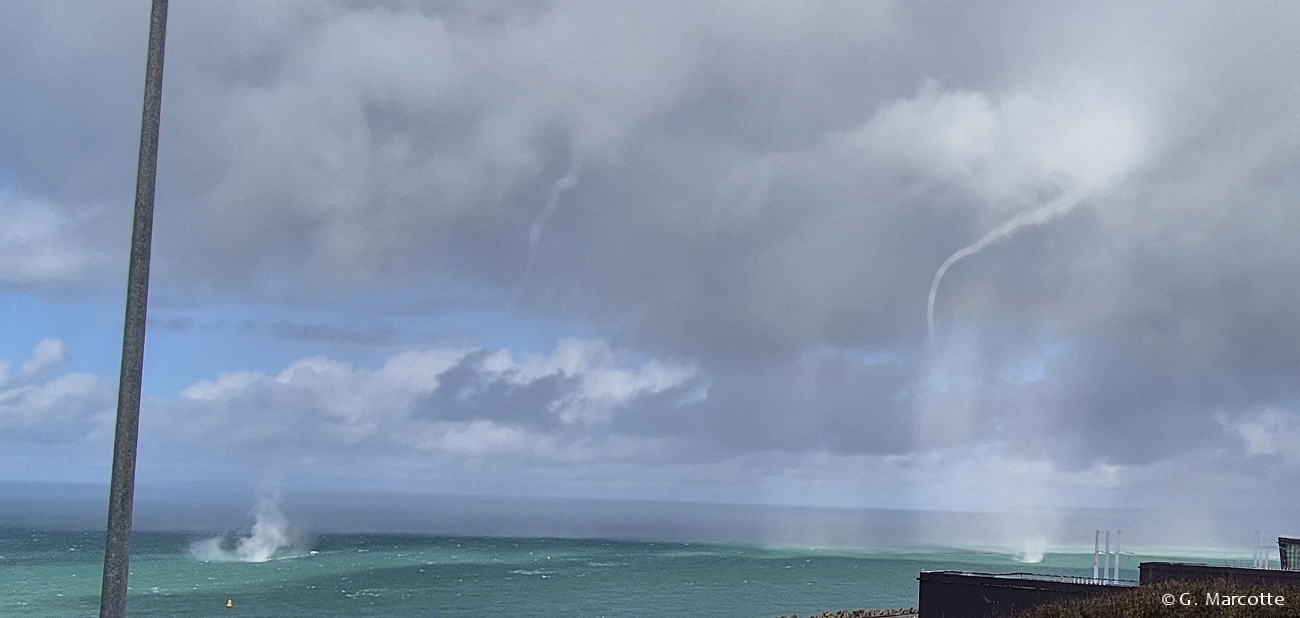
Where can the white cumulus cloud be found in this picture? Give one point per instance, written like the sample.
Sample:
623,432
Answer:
45,242
37,407
459,402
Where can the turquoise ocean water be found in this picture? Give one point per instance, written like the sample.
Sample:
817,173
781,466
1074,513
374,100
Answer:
53,573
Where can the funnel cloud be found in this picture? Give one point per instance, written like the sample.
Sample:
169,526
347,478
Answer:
564,183
1051,210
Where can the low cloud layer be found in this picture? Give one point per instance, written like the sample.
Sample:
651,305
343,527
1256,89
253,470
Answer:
587,420
561,407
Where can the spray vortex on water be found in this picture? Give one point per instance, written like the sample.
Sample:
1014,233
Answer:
271,538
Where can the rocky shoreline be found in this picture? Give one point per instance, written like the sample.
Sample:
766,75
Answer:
909,612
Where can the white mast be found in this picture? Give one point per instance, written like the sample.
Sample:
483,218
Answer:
1096,548
1106,572
1116,573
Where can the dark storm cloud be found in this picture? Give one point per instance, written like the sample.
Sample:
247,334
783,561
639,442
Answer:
334,334
178,324
758,184
465,392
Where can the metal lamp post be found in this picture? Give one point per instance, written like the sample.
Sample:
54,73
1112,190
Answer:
117,545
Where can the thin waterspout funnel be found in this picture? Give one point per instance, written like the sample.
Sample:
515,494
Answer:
121,496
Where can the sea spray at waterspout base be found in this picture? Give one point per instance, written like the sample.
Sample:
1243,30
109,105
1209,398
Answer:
271,538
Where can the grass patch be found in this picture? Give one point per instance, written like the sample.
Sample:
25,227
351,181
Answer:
1219,598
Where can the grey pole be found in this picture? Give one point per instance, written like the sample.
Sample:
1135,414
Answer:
117,545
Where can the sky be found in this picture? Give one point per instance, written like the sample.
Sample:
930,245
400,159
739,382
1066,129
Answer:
910,255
